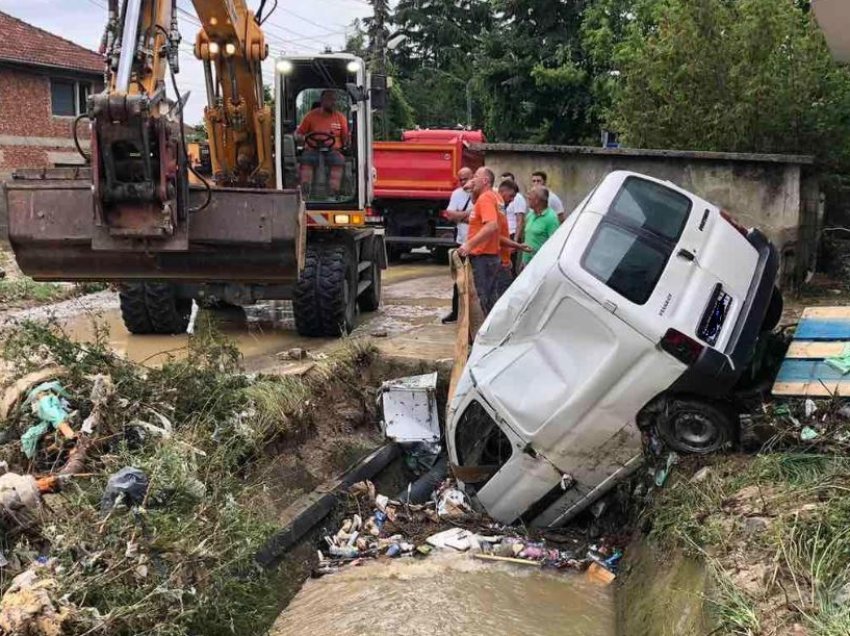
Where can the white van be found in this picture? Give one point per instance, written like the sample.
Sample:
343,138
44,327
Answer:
643,309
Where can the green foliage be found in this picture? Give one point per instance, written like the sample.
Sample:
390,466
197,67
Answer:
746,76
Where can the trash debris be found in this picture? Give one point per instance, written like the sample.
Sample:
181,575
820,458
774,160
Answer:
810,407
452,503
20,502
27,607
49,404
663,473
102,390
808,434
21,387
410,409
598,574
841,363
128,486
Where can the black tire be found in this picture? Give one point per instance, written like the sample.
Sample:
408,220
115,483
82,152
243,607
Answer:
696,427
774,311
168,314
324,302
134,311
394,253
370,300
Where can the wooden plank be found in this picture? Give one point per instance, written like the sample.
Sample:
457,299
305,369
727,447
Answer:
827,312
811,389
823,329
814,349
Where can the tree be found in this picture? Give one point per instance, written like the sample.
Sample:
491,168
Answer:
749,76
434,63
535,73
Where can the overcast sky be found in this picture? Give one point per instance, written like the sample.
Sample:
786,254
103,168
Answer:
296,27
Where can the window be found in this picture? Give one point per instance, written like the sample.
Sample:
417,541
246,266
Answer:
633,243
652,207
68,98
482,447
625,262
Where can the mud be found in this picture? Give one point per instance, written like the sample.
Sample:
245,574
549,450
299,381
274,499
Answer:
449,594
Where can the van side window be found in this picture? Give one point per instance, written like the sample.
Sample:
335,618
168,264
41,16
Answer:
652,207
635,239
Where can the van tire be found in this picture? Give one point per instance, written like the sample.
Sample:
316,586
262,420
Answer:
774,311
696,427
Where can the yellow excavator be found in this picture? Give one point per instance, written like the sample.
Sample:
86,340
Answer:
252,228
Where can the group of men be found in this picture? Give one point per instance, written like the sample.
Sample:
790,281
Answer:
499,230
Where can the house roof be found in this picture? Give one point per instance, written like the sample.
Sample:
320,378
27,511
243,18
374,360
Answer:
22,43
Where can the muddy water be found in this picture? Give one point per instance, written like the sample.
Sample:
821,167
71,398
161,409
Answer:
448,595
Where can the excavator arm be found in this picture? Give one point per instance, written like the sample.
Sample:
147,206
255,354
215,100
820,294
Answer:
139,158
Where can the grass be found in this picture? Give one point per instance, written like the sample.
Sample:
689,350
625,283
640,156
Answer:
804,549
26,291
182,562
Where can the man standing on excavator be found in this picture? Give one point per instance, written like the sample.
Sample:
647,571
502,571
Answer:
323,129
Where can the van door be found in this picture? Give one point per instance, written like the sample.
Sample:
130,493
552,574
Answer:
642,261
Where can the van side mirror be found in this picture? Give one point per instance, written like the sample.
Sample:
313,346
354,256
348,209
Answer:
379,92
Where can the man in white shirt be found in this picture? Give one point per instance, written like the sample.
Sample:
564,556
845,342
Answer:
458,210
539,179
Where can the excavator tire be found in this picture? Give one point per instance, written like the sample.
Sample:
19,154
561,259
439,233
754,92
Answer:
168,314
324,303
134,311
153,308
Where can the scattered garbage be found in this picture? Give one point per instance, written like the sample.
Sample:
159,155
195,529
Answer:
410,409
808,434
50,405
663,473
128,486
841,363
451,502
28,608
20,502
810,407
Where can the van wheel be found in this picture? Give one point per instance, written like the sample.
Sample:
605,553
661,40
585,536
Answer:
695,426
774,311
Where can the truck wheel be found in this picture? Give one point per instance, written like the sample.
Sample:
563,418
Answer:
324,302
134,311
168,314
370,300
696,426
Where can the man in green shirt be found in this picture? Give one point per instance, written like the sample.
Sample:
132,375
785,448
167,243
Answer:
540,223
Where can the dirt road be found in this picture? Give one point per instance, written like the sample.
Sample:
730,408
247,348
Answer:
416,294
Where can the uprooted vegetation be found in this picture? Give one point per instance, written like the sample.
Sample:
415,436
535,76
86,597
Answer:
774,530
224,452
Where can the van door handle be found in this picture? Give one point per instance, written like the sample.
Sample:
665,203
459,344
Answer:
686,254
610,306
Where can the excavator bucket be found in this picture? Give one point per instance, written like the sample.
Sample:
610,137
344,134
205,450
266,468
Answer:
239,236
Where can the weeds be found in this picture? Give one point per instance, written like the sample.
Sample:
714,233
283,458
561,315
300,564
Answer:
182,563
25,291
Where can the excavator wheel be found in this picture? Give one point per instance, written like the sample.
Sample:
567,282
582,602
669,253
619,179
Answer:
153,308
324,299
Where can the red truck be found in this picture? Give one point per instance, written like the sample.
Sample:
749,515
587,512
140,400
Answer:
415,179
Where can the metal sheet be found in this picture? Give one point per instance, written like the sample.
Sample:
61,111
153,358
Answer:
410,409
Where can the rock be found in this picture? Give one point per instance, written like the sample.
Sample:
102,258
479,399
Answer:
379,334
756,524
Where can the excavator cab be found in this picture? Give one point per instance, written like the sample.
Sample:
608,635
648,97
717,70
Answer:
325,126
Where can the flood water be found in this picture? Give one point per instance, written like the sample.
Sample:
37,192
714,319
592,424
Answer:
449,594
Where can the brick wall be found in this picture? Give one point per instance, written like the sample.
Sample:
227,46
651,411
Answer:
30,135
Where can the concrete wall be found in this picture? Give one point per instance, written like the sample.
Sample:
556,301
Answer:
777,193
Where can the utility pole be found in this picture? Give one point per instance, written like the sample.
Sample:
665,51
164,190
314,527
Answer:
378,46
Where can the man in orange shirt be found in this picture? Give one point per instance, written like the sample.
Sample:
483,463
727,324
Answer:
323,129
483,244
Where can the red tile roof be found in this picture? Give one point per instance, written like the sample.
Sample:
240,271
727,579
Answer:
23,43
